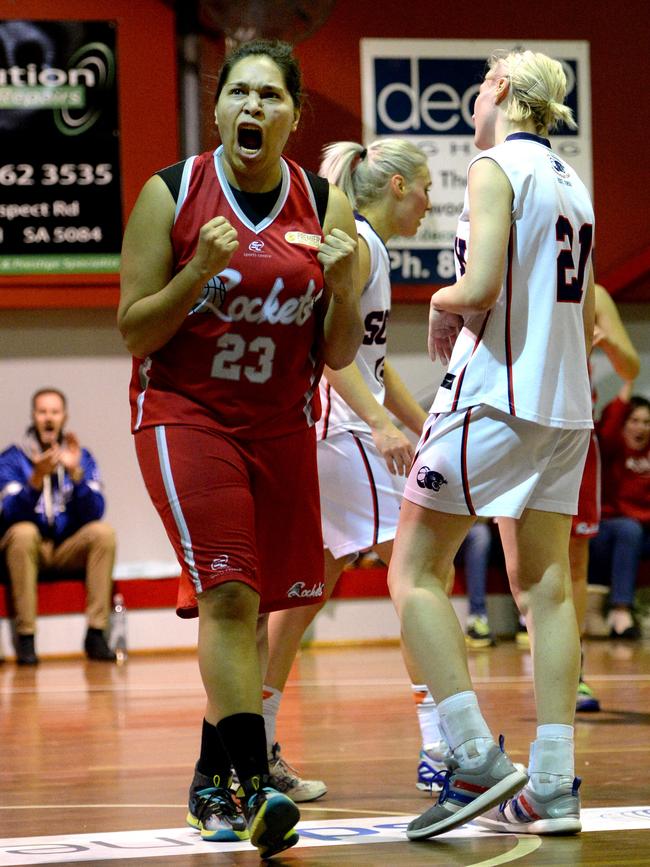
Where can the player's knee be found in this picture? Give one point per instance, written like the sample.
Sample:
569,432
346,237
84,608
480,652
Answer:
553,588
232,600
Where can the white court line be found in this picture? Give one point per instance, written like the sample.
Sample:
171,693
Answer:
174,842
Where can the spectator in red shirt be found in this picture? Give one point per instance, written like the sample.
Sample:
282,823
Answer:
624,535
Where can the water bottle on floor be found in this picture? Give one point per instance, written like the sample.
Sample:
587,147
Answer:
118,628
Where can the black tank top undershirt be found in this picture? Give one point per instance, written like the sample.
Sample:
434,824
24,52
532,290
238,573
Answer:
256,206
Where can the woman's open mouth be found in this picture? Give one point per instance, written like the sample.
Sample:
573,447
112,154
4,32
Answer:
249,139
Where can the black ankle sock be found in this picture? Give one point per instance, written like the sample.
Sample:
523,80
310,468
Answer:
244,737
213,759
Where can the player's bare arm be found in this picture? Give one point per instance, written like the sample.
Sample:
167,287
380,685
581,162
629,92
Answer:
490,198
401,402
153,303
343,329
589,312
394,447
611,336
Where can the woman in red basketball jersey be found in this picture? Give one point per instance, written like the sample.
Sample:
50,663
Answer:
238,284
624,535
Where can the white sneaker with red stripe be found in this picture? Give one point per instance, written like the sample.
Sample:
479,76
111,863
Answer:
531,813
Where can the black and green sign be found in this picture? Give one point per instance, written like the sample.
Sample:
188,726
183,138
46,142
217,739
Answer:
60,202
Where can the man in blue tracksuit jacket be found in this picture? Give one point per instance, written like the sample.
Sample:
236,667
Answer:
51,505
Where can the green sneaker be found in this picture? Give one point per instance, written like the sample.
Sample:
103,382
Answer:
272,818
214,811
477,632
586,701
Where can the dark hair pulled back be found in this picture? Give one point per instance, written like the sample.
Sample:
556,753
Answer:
281,53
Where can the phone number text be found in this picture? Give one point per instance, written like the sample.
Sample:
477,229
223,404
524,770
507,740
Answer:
51,174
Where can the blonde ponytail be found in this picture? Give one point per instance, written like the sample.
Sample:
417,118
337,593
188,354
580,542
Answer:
538,88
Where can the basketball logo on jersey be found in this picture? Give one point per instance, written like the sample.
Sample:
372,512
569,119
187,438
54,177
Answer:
214,291
430,479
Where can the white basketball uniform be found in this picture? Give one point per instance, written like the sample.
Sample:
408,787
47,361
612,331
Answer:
520,369
360,498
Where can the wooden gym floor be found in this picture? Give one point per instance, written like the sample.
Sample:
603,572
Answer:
96,760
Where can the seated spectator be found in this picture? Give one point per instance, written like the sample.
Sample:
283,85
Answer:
51,504
624,535
474,554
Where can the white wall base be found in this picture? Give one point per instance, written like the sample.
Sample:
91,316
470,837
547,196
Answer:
151,630
361,620
154,629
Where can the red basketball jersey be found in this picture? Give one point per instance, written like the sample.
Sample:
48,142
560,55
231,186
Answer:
247,362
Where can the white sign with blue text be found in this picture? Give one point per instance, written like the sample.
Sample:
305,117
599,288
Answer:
424,90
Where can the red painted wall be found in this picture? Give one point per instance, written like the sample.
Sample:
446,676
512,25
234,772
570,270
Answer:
620,83
620,67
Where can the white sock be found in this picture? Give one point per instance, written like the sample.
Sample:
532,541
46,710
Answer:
270,706
551,762
432,737
464,728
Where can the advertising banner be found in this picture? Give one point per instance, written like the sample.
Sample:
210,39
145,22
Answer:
425,90
60,201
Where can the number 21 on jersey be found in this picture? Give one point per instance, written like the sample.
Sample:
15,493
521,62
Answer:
570,288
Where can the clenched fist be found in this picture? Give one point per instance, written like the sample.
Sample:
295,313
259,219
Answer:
216,245
336,255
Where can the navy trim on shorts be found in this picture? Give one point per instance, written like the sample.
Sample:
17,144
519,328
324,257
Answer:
463,463
424,440
373,486
461,376
511,388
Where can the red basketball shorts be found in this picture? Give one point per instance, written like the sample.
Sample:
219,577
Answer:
237,511
585,523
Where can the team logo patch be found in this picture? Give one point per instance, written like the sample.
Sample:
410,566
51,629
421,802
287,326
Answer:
430,479
448,380
256,250
303,239
558,166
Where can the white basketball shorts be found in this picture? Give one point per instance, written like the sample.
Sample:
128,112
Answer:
359,497
480,461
